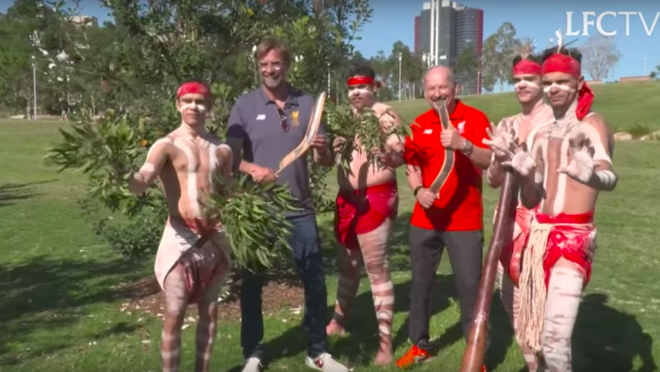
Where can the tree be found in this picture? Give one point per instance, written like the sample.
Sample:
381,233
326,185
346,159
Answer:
599,56
490,62
155,46
525,46
507,46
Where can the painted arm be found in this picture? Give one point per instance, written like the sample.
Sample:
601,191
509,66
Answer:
145,177
225,157
495,173
530,170
394,146
592,146
498,141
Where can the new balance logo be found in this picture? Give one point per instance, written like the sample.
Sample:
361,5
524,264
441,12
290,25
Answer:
261,117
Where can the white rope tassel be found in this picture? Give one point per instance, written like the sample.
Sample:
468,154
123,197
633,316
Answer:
529,325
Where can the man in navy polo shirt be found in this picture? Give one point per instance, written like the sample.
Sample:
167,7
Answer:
265,125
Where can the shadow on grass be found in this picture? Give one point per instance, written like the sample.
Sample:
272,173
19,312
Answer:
605,339
12,192
47,294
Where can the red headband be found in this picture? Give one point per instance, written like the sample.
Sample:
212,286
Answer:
193,88
361,80
526,67
562,63
568,65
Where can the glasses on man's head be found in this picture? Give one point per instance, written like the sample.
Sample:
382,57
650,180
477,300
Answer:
284,120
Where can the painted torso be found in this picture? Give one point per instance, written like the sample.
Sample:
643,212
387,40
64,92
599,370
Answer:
552,151
363,174
187,177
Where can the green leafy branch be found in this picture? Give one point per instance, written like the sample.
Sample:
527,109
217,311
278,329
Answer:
252,216
363,132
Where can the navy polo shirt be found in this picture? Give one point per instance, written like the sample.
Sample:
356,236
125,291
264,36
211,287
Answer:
255,128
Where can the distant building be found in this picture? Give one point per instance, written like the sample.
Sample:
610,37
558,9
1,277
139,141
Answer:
416,34
446,29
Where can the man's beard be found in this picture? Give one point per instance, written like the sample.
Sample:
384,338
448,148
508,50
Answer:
273,82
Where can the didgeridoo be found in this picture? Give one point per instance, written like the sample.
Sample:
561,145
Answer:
312,129
475,350
448,161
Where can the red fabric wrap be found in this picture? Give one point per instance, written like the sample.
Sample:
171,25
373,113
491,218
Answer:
526,67
511,255
361,80
193,88
198,274
568,65
574,243
360,212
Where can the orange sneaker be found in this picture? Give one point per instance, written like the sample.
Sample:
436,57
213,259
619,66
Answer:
412,358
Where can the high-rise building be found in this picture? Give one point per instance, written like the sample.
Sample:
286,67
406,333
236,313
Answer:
446,29
416,34
425,30
470,35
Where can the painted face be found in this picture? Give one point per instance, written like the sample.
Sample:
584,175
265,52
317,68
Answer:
528,87
193,108
361,95
561,89
273,69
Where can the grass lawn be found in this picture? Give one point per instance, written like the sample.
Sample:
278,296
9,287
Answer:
62,310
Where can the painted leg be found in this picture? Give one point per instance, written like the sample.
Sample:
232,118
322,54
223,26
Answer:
349,282
511,302
374,250
207,307
564,295
175,293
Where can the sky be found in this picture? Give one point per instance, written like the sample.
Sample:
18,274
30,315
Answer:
394,20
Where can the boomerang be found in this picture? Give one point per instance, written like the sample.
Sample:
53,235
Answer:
448,161
312,129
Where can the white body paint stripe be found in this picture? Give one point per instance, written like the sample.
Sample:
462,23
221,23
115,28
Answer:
565,88
383,300
159,142
382,287
213,163
191,177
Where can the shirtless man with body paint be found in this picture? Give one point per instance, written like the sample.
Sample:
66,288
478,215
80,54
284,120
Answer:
535,115
569,163
367,204
193,256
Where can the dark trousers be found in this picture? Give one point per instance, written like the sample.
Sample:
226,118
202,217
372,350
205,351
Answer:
305,244
465,253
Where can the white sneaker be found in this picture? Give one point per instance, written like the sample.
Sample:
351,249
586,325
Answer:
253,364
325,362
